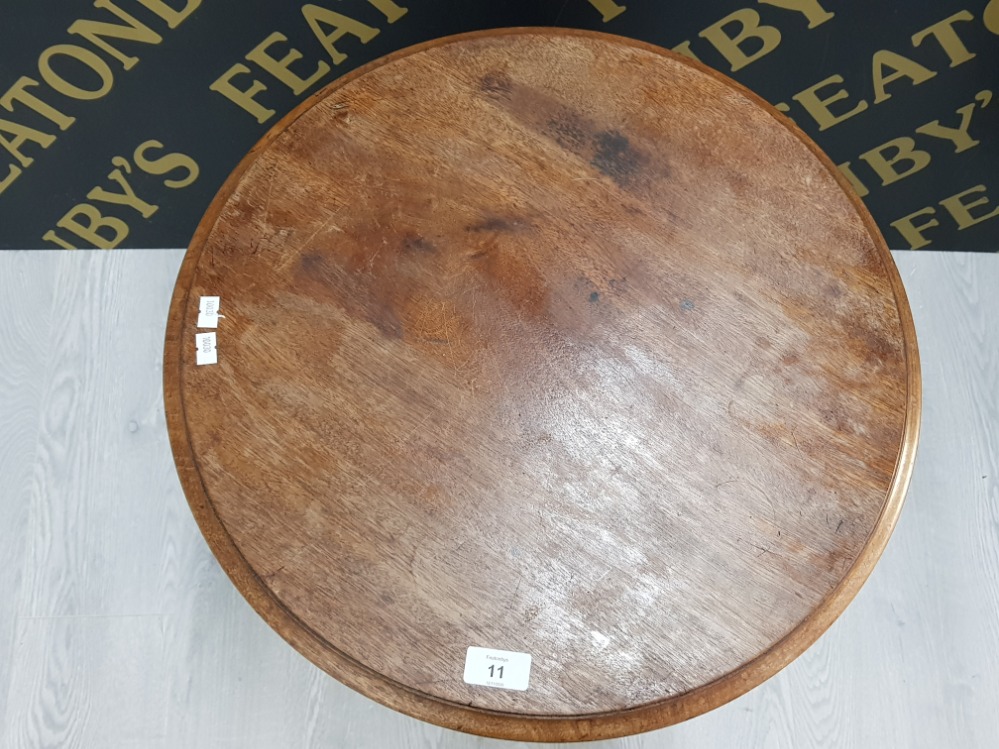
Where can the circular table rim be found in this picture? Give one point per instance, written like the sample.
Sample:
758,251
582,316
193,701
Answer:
492,723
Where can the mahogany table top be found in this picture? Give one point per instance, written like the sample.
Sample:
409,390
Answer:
547,342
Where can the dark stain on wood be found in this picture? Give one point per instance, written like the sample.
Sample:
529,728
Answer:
607,149
415,243
615,157
350,290
569,130
496,83
499,224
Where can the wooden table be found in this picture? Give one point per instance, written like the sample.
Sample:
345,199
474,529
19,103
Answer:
551,343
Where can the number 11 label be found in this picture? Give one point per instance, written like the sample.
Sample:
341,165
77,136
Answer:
502,669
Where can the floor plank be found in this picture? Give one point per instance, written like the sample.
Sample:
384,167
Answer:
26,300
89,681
118,628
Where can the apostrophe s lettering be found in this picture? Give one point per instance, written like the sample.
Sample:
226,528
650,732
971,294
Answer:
104,221
166,164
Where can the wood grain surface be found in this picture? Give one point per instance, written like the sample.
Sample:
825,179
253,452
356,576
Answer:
553,343
912,662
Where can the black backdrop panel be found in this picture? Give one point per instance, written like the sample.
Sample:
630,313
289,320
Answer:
119,119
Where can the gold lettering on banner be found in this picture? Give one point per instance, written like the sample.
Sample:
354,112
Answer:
84,56
903,151
947,38
91,232
96,31
847,171
51,236
392,11
339,26
79,73
965,213
912,232
813,11
990,16
171,15
609,10
97,227
242,97
22,134
329,28
815,14
887,66
13,172
750,33
127,196
817,105
281,69
167,164
19,93
961,210
903,67
956,135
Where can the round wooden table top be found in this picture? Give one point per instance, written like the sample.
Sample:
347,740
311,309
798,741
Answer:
546,342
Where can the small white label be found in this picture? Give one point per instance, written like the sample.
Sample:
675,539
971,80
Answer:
208,312
207,353
502,669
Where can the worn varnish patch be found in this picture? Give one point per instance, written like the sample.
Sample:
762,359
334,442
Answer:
556,344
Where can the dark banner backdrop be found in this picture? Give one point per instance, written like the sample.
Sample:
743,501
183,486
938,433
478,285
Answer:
119,119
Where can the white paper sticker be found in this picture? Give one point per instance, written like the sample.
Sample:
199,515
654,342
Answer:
502,669
207,353
208,312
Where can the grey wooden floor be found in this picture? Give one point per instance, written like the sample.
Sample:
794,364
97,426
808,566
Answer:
118,628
